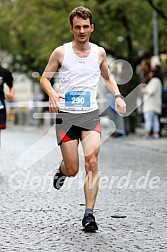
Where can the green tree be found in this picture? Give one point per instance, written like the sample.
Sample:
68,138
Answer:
31,29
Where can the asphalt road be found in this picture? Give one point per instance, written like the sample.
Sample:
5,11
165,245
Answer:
131,207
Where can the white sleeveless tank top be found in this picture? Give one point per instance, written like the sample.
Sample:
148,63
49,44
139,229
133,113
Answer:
78,80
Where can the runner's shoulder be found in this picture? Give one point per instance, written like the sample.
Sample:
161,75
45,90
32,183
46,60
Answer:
57,54
102,54
59,51
102,51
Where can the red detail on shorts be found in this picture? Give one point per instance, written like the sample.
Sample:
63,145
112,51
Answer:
63,136
2,126
98,127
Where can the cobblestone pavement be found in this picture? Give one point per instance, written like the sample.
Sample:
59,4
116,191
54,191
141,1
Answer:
131,207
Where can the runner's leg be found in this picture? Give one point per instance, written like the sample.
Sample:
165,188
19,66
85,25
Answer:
70,164
91,143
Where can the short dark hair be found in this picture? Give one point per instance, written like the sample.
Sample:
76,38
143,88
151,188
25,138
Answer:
81,12
146,63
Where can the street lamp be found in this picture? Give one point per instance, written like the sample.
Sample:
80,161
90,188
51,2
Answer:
155,59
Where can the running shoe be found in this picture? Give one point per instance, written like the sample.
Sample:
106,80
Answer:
89,223
59,178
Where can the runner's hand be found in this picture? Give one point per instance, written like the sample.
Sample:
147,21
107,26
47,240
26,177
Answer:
120,106
54,101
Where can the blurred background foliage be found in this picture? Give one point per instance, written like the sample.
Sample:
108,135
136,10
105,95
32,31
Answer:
31,29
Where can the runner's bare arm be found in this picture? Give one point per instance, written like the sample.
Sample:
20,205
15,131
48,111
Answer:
110,82
52,67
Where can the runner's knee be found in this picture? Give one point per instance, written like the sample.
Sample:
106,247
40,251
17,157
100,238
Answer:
92,166
72,170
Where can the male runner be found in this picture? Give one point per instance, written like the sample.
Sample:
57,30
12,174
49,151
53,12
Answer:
79,64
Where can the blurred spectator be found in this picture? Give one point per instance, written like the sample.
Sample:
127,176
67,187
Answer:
120,123
5,78
152,105
157,70
145,67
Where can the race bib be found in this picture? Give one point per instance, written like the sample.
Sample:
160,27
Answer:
77,100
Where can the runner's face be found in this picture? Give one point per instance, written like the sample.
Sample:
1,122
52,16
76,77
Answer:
81,29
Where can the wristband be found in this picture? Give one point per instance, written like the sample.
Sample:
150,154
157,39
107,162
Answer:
119,96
